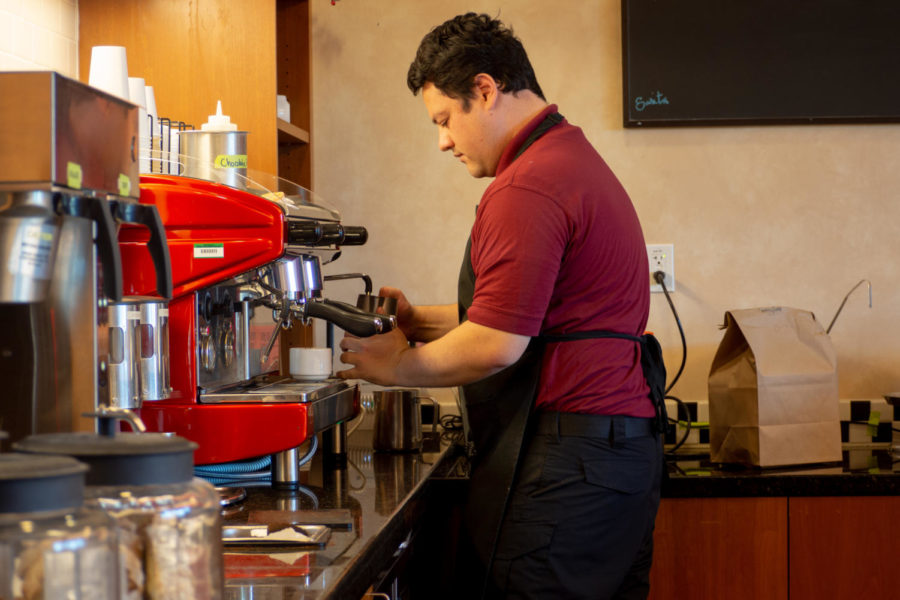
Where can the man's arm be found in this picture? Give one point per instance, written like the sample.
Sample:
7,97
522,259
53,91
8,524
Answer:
464,354
422,323
431,322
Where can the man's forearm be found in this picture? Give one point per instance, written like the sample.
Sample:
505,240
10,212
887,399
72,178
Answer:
467,353
432,322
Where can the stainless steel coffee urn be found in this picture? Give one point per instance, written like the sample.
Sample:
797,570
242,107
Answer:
68,176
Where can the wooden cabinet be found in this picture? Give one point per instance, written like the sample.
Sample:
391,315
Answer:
731,548
193,54
844,547
779,547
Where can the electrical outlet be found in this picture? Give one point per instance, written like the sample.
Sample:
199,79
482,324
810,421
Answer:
662,258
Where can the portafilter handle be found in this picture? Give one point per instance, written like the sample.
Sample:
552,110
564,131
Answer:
354,322
389,321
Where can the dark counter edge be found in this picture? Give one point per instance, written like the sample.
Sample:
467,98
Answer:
801,480
371,563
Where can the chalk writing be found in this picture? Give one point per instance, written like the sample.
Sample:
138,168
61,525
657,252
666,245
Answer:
640,103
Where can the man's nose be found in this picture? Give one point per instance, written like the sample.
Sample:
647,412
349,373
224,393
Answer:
444,141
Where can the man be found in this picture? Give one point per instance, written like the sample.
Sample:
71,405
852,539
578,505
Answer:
566,467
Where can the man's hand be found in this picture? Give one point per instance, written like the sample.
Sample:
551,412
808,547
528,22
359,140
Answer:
422,323
374,358
405,311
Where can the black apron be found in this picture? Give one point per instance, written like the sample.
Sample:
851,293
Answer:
497,411
497,417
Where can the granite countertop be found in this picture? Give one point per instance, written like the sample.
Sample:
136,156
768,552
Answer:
375,501
863,471
371,505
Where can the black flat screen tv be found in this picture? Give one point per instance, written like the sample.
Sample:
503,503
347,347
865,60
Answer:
733,62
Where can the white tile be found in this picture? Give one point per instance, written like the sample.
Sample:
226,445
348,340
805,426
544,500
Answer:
29,9
859,434
68,20
885,411
71,69
6,28
844,410
51,51
703,411
10,62
41,47
13,6
42,13
23,33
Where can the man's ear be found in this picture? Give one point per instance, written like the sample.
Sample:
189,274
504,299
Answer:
486,89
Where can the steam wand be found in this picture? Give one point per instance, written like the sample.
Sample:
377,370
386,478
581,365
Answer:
841,307
284,322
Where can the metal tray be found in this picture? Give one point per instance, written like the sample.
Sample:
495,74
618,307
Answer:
292,535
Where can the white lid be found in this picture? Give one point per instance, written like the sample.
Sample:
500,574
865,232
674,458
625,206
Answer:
218,121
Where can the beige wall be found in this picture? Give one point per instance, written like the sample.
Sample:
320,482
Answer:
758,216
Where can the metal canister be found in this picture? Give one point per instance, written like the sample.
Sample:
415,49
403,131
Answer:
219,156
124,375
138,351
154,349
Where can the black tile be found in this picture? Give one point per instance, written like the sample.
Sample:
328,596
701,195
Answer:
859,410
885,433
691,411
704,436
845,432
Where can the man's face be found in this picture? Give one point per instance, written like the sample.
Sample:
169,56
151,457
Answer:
467,133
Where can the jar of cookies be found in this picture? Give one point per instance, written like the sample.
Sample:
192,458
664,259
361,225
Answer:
51,546
169,523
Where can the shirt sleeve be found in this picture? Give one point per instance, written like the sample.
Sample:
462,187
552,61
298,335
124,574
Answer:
518,243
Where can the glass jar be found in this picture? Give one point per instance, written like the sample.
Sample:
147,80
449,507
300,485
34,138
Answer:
169,522
170,538
51,546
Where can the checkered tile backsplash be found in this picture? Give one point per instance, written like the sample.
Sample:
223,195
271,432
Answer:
862,421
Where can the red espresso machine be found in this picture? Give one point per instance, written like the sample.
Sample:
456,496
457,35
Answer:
245,264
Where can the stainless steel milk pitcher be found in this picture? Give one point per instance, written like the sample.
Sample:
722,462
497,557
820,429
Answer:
398,420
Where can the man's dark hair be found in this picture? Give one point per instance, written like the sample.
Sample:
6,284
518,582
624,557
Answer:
453,53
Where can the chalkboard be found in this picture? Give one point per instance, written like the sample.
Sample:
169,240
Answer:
731,62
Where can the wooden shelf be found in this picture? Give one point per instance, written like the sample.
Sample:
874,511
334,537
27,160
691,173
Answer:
195,53
289,133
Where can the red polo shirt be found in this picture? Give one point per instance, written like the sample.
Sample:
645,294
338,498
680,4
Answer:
557,247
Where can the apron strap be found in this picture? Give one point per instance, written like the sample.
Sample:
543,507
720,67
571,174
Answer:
652,365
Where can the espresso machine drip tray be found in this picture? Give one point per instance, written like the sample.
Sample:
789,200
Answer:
275,391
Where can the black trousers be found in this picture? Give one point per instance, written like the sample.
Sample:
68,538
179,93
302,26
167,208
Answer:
580,521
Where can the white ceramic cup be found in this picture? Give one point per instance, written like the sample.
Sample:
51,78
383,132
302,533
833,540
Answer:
109,70
311,364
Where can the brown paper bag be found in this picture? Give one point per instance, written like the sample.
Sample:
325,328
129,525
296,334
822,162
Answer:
773,393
